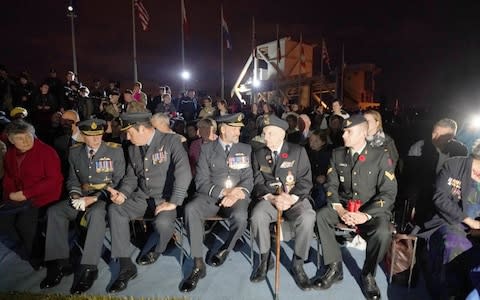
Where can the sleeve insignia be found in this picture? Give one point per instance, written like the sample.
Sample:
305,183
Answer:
329,194
329,170
389,175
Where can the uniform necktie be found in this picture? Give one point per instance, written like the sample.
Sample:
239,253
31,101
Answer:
227,150
143,150
91,154
275,157
355,157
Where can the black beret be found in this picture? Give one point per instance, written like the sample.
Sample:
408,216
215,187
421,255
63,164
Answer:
92,126
273,120
354,120
127,120
234,120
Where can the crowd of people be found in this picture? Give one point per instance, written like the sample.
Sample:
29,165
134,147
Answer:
75,155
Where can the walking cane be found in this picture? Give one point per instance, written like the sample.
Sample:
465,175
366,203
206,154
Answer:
277,254
278,191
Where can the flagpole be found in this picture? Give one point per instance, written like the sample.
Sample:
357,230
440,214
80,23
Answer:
135,77
254,57
278,63
343,70
222,74
182,12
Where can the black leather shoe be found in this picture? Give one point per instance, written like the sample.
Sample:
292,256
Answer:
55,275
85,280
190,283
219,258
370,288
301,278
148,259
124,277
333,274
260,273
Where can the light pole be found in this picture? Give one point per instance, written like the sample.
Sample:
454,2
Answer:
71,14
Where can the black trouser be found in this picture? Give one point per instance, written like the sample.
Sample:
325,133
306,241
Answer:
21,226
376,232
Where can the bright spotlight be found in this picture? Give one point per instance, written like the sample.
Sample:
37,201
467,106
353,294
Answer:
256,83
475,121
70,8
185,75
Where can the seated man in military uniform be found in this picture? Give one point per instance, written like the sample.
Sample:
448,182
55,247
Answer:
361,190
94,166
143,188
224,180
286,165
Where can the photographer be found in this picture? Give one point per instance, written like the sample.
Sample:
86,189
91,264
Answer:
85,103
71,95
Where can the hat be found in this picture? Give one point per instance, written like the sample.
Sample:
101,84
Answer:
3,118
91,126
354,120
234,120
18,110
273,120
127,120
115,92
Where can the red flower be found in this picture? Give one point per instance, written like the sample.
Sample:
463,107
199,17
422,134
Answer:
362,158
284,155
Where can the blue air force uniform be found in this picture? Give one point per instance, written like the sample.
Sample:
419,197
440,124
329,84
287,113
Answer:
145,183
88,176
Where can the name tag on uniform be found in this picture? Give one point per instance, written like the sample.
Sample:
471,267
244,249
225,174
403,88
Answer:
104,165
287,164
239,161
265,169
159,157
342,164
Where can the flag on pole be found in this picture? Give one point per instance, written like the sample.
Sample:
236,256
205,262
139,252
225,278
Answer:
226,33
325,56
142,14
186,27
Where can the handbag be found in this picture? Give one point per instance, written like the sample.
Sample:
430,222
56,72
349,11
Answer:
400,260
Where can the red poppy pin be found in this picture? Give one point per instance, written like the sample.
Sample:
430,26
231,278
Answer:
284,155
362,158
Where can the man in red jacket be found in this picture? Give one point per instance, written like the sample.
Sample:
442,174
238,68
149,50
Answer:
32,180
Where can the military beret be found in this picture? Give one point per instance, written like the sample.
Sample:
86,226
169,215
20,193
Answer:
354,120
127,120
234,120
91,126
273,120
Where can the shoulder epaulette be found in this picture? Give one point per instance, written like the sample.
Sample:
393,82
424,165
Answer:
113,145
77,145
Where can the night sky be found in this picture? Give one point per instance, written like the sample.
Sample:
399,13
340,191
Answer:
428,50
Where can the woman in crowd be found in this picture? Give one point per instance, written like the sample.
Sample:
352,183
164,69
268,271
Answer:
32,180
377,137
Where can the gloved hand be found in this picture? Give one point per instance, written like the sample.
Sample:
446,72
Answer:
79,204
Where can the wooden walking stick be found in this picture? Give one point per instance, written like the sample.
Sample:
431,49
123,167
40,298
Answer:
278,191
